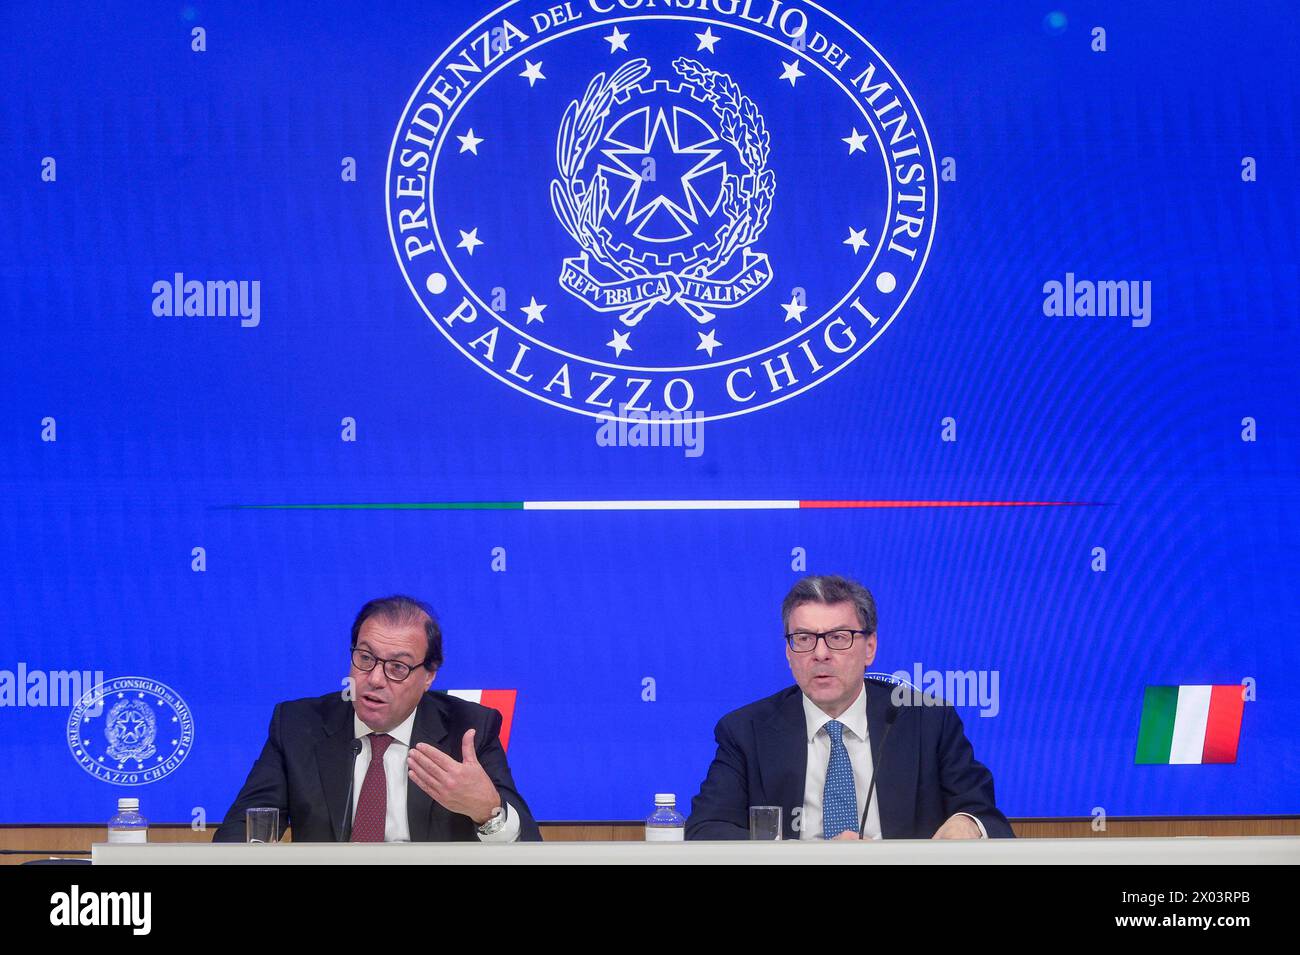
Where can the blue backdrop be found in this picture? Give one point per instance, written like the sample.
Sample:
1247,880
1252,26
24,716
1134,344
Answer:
129,438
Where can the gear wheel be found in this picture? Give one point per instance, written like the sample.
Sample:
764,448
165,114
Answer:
649,258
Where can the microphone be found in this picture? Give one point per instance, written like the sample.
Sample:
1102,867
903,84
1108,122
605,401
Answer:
352,779
890,717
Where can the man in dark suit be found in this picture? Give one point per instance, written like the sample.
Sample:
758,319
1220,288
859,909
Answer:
388,760
812,749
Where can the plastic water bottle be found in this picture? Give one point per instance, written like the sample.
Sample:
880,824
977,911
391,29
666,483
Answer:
665,824
128,826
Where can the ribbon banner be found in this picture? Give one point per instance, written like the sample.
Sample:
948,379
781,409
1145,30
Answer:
634,297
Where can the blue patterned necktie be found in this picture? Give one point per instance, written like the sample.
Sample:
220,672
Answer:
840,797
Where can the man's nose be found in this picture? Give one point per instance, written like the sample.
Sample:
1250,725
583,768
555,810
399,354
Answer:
821,649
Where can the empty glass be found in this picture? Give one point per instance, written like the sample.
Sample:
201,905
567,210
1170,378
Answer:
262,825
765,822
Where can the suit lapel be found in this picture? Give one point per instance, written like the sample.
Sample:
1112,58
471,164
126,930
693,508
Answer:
895,762
334,762
429,728
783,758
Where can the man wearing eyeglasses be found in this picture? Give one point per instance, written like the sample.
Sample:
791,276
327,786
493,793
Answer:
387,761
836,747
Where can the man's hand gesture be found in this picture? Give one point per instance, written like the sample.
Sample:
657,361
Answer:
462,787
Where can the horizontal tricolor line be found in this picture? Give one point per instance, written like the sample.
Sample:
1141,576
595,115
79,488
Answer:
653,505
390,506
885,504
686,505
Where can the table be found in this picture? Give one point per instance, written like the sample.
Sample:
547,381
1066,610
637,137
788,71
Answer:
1189,850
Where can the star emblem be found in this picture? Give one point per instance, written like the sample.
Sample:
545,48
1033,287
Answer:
792,72
533,310
619,343
707,39
855,141
686,184
617,41
532,72
469,241
469,142
794,311
857,238
708,342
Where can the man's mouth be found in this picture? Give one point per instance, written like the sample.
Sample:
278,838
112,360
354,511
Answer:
373,700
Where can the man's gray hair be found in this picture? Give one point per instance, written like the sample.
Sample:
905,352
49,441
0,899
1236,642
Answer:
831,589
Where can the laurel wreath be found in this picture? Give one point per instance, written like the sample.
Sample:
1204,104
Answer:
747,200
578,205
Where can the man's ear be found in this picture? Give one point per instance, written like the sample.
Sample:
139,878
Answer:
429,682
871,648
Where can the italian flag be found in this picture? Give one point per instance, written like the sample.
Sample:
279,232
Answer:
1190,724
503,701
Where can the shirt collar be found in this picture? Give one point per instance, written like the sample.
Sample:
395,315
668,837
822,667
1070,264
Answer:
854,718
401,732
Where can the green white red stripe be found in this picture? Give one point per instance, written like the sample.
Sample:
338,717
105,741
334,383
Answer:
503,701
652,505
1190,724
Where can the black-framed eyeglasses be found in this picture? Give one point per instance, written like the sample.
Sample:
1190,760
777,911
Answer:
395,670
805,641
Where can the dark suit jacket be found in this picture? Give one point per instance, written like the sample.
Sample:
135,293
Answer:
306,765
927,773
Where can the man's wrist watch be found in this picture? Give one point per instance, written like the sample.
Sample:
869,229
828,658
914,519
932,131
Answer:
496,822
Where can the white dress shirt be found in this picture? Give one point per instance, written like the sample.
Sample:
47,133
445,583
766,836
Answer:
397,827
858,743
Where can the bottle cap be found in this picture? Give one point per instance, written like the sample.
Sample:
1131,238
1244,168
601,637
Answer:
665,799
128,805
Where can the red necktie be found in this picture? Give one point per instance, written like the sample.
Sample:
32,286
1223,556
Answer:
372,804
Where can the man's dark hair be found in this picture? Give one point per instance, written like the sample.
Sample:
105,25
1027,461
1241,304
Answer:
402,610
831,589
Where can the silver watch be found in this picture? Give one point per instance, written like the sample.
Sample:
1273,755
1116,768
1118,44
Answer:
496,822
